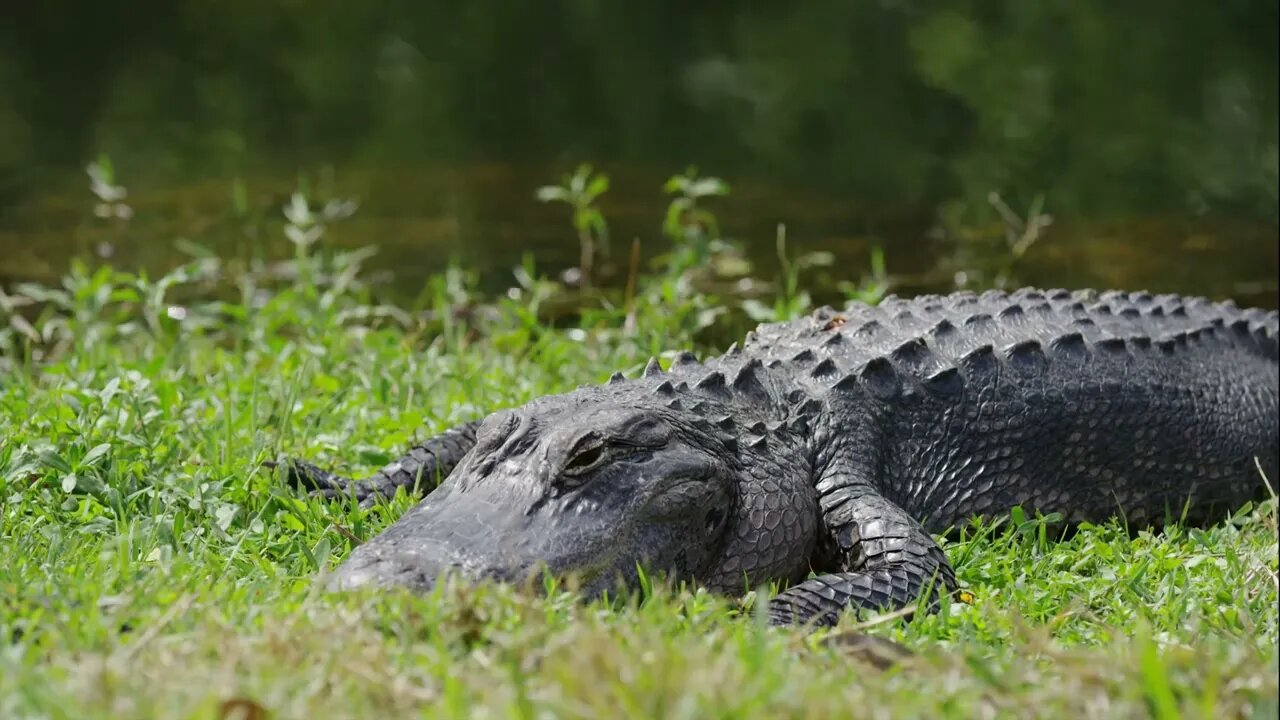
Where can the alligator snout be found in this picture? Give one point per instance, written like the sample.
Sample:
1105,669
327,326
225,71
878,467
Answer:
449,534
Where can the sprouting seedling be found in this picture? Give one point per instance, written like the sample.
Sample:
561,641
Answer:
687,221
102,184
1021,233
580,191
305,225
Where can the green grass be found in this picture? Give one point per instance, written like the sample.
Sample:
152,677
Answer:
152,569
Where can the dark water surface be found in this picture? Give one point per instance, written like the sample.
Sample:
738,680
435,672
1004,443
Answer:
1148,129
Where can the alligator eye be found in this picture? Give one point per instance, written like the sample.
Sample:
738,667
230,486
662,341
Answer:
715,516
585,460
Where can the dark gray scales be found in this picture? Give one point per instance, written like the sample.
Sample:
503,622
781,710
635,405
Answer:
835,445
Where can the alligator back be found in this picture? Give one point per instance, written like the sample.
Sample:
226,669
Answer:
1082,403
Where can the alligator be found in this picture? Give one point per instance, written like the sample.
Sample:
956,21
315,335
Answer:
824,454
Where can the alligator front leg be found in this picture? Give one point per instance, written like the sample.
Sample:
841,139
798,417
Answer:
418,470
887,561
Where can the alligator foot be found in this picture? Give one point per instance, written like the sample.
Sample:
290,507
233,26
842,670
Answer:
417,472
322,483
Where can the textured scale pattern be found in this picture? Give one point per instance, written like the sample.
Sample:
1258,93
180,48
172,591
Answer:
854,434
1084,403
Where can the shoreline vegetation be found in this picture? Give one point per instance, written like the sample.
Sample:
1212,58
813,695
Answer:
155,569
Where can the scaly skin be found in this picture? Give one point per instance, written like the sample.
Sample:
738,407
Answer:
837,443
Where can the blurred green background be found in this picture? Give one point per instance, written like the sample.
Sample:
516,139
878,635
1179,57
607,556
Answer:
1146,130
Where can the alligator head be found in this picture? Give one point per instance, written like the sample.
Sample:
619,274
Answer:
590,485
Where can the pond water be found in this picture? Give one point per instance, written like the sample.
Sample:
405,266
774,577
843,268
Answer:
1148,132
